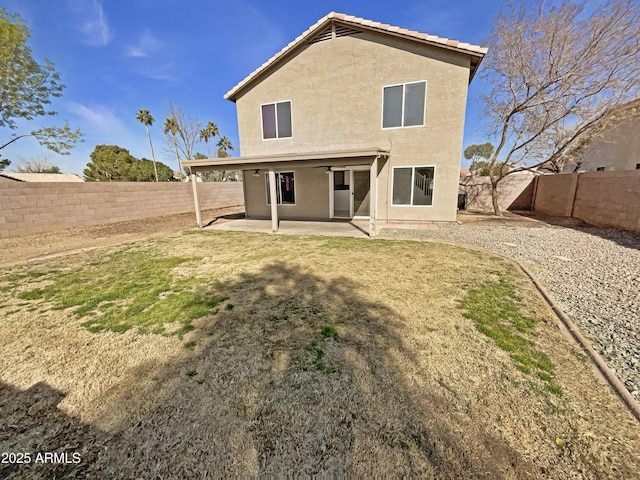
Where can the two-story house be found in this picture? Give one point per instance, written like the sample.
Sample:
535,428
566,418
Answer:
353,118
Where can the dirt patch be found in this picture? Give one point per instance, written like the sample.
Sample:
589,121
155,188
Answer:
318,366
509,219
16,250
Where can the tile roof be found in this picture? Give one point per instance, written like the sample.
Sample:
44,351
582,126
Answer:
474,50
42,177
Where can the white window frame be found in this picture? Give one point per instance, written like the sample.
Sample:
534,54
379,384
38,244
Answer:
278,192
424,107
413,170
275,104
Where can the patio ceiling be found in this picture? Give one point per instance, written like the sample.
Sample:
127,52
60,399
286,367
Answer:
327,158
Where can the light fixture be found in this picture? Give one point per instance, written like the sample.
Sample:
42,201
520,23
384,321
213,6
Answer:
256,173
328,170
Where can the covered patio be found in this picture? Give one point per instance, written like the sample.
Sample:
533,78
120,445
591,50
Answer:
312,195
354,228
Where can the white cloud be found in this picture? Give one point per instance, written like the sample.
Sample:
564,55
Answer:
98,117
92,21
146,46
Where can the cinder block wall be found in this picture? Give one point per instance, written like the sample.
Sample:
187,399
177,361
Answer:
515,192
607,199
554,194
27,208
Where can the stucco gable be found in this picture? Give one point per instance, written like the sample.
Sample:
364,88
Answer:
342,24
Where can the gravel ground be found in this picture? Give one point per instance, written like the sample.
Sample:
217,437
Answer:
593,273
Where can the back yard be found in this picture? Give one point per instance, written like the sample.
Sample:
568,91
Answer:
241,354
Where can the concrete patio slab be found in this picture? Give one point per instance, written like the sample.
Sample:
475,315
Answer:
354,228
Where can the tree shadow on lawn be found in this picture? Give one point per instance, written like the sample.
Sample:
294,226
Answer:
268,390
32,424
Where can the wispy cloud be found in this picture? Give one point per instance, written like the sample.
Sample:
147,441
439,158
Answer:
96,117
153,58
146,46
92,21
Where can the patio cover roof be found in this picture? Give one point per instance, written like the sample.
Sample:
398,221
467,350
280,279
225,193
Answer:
327,158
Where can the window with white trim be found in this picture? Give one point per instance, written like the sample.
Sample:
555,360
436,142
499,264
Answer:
276,120
285,188
413,186
404,105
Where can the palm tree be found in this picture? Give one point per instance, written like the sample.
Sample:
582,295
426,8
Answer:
205,135
171,130
145,117
225,144
210,131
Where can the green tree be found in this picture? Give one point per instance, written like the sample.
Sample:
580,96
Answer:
145,117
109,163
224,144
171,133
27,87
475,153
4,164
209,132
144,170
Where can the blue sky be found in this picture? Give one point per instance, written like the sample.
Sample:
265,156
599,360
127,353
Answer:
116,57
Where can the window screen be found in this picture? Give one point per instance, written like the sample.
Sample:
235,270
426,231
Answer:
284,119
402,186
414,103
392,109
269,121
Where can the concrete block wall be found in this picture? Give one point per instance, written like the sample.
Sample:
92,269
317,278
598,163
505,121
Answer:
555,194
606,199
27,208
515,192
609,199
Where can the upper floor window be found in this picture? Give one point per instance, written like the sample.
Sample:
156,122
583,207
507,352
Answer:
403,105
276,120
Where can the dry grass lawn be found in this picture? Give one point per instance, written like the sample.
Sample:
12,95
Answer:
226,354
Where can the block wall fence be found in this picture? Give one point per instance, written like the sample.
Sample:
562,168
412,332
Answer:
605,199
27,208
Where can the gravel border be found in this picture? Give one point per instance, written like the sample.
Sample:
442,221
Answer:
593,274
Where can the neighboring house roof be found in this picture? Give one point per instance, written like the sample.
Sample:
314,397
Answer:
475,51
42,177
464,172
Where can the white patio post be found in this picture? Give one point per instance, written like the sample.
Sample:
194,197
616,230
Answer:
274,200
373,196
196,202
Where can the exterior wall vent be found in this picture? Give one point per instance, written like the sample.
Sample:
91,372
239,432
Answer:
342,31
322,36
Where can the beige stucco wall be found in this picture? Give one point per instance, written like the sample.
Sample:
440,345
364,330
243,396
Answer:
335,87
311,193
